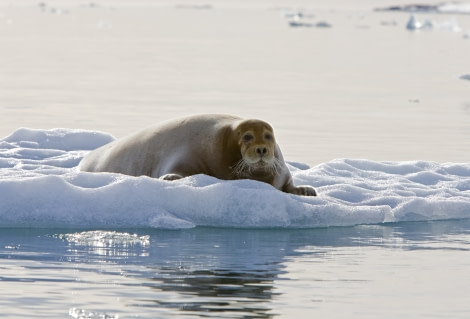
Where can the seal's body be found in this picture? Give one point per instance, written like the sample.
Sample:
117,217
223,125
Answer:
223,146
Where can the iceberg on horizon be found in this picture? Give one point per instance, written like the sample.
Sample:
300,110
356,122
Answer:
446,7
447,25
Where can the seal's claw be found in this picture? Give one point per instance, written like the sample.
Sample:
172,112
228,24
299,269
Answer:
171,177
304,190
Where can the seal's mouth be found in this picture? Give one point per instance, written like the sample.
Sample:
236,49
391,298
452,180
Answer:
258,159
261,166
261,163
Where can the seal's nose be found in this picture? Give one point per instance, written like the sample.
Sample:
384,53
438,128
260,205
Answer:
261,151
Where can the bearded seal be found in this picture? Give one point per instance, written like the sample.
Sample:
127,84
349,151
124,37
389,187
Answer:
223,146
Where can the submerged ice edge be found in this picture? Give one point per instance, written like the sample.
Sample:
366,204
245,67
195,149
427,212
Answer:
40,186
100,238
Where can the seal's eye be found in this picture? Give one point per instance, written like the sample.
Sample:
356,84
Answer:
268,137
247,138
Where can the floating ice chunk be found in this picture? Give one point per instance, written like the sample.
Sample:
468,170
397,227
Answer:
450,25
454,7
295,23
448,7
298,18
40,186
323,24
428,25
413,23
447,25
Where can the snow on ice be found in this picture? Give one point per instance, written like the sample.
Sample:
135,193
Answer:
40,186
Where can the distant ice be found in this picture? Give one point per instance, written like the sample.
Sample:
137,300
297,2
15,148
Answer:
194,6
321,24
413,23
454,7
446,7
40,186
299,18
427,24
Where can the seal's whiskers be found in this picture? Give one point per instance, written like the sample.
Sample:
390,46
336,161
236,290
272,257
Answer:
242,167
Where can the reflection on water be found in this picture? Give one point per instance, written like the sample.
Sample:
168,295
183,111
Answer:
236,294
234,273
83,314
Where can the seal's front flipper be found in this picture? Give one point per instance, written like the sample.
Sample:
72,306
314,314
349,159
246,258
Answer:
304,190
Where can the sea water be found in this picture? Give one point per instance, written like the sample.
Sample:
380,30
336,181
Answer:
406,270
378,113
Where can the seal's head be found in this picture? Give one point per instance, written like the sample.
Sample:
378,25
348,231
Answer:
257,147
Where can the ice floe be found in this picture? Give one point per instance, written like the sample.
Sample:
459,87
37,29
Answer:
40,186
